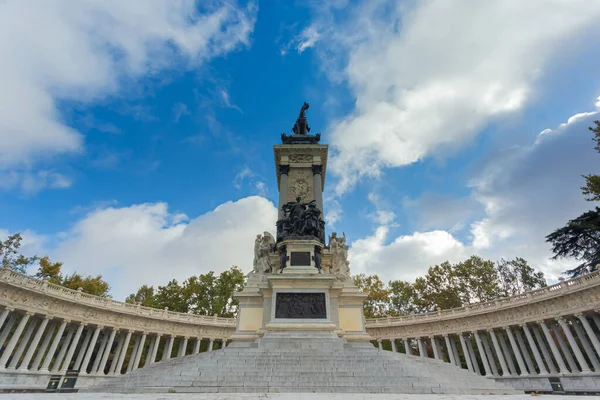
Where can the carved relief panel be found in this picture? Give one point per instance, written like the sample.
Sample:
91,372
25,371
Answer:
301,184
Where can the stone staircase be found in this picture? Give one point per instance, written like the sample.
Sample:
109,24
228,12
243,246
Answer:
285,364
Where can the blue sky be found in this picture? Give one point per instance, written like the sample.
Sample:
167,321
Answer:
136,140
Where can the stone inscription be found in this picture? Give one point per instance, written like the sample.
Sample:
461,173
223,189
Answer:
300,305
300,258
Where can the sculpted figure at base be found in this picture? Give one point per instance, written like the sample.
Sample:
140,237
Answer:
340,267
301,219
263,245
283,258
317,258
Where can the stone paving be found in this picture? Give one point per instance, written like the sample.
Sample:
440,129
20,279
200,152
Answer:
283,396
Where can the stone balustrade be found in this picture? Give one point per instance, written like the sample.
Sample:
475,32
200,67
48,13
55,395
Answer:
47,329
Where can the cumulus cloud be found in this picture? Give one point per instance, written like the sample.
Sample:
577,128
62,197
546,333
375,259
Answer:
433,77
526,193
86,50
148,244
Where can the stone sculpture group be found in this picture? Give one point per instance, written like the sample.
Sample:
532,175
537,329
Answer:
301,220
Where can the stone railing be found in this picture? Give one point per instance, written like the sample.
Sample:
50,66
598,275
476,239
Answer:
48,329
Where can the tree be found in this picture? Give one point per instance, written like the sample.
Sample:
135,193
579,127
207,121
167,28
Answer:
402,298
377,301
579,239
9,253
51,271
205,294
516,276
144,297
592,182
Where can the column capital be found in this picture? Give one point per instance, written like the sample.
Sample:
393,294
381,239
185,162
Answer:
99,326
186,337
541,322
559,318
47,317
9,308
445,335
490,330
30,313
432,337
523,325
284,169
317,169
578,315
379,340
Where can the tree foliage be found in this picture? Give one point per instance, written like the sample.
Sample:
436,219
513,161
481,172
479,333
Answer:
205,294
11,258
580,238
449,286
376,303
51,271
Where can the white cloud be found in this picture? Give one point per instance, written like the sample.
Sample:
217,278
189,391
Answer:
432,77
526,193
244,173
33,181
147,244
82,51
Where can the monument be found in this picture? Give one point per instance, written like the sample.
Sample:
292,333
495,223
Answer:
300,324
299,282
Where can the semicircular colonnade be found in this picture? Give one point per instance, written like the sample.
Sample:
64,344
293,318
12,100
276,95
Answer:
47,329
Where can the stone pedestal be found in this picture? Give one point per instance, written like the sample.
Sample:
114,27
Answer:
300,302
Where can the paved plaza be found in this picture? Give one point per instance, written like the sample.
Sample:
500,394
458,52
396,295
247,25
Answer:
283,396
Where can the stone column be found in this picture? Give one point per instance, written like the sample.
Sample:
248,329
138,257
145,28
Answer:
434,346
507,355
524,351
465,352
123,352
134,352
379,346
284,170
72,348
586,345
138,353
544,349
484,360
154,350
534,349
115,361
63,350
82,350
40,354
224,343
100,354
505,370
456,354
183,347
211,344
318,186
394,345
106,351
489,354
4,314
596,319
515,348
13,340
473,355
11,322
449,348
585,368
592,335
34,344
22,344
561,365
197,345
168,348
407,347
422,350
89,351
53,347
565,349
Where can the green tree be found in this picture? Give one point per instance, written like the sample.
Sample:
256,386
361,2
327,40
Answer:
377,302
171,296
439,288
402,298
592,181
516,276
579,239
51,271
11,258
477,280
144,297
